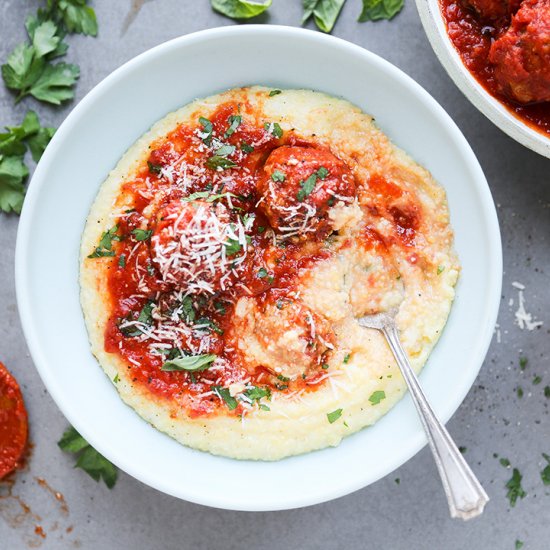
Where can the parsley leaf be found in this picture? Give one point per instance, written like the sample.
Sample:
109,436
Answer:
324,12
142,234
89,460
207,130
374,10
240,9
377,396
515,490
545,474
105,246
334,415
223,393
190,363
234,123
519,544
74,15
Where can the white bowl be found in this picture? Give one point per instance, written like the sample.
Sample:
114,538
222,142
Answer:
89,143
492,108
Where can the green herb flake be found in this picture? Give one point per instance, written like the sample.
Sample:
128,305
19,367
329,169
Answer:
234,122
142,234
462,449
515,490
190,363
219,160
375,10
246,147
523,362
116,379
223,393
145,317
537,380
377,396
207,130
89,460
264,407
347,358
519,392
122,260
504,462
325,366
545,474
154,168
105,247
519,544
275,92
440,269
334,415
240,9
307,186
262,273
274,128
547,392
278,176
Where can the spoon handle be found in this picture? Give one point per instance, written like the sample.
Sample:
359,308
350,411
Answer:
465,495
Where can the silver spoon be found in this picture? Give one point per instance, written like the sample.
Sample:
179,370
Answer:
465,495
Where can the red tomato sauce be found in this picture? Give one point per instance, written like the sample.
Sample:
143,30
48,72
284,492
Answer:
472,39
281,265
13,423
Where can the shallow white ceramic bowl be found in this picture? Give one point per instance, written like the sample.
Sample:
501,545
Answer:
89,143
494,110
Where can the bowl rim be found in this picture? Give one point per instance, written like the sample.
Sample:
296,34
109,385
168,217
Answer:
436,31
23,276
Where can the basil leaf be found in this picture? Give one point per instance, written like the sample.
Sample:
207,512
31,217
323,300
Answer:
145,316
223,393
219,160
275,92
246,148
256,393
306,187
240,9
190,363
89,460
274,128
142,234
545,474
278,176
377,396
325,12
207,130
234,123
334,415
154,168
375,10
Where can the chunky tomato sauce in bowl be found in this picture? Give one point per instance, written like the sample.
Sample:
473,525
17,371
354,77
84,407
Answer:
463,34
86,148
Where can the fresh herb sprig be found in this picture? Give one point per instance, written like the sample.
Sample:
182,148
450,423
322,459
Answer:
89,460
240,9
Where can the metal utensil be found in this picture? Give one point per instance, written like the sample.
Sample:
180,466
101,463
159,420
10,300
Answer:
465,495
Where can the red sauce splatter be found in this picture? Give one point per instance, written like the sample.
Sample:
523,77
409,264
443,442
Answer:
13,424
472,38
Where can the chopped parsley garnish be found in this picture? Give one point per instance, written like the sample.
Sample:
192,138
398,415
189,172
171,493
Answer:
325,366
515,490
440,269
219,160
307,186
122,260
207,129
142,234
278,176
246,147
545,474
256,393
262,273
283,378
145,316
537,380
274,128
234,122
154,168
377,396
116,379
334,415
275,92
261,229
232,247
223,393
281,387
504,462
346,357
190,363
105,247
89,460
519,391
523,362
547,392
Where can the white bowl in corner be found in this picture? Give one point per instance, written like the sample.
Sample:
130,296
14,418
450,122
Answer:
492,108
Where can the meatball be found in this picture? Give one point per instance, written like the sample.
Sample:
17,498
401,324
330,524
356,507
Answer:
298,187
197,246
521,56
493,9
285,337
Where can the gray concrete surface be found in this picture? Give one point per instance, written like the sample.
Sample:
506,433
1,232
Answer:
404,516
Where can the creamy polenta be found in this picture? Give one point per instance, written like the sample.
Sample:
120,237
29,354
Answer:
228,255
